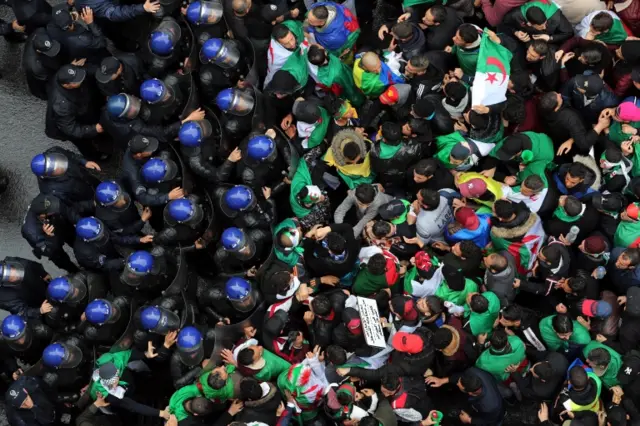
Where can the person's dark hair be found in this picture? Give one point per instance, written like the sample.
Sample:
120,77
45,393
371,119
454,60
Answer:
216,381
320,12
544,371
420,61
365,193
441,338
430,198
578,285
403,30
468,33
280,31
534,183
591,55
499,262
426,167
321,305
336,355
599,356
435,304
479,304
479,121
245,356
572,206
499,339
336,243
515,112
438,12
602,22
541,47
344,398
578,377
522,83
470,250
634,255
613,154
562,324
470,381
536,16
351,150
578,170
390,381
316,54
548,102
381,228
202,406
512,313
392,133
377,264
250,389
369,421
281,281
504,209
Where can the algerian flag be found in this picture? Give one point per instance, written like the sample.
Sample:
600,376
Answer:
295,62
492,73
524,250
616,35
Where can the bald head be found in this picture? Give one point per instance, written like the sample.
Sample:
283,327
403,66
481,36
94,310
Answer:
371,62
241,7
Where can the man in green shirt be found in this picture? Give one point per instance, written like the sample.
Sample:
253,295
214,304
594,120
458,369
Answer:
254,360
562,334
604,361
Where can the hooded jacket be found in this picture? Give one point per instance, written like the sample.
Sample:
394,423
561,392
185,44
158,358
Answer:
392,170
364,215
501,283
263,409
414,45
589,111
538,390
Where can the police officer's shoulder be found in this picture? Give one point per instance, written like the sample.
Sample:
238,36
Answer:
91,332
50,378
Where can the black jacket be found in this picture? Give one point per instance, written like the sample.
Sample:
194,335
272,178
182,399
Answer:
103,258
590,113
487,408
566,123
535,389
558,27
71,114
25,299
39,68
429,82
262,410
125,221
587,223
122,130
438,37
322,327
317,257
81,42
31,13
129,80
391,171
130,174
441,178
75,185
43,411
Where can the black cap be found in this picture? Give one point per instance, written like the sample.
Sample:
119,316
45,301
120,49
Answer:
43,44
70,74
460,152
511,146
108,67
62,17
424,108
611,202
454,278
271,11
392,209
591,84
45,204
141,143
306,111
630,368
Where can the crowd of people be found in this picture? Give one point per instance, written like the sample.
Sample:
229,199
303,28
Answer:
374,213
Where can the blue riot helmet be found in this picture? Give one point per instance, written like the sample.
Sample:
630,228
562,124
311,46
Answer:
204,12
123,106
61,355
164,39
11,273
262,148
101,311
92,230
235,101
183,211
159,320
241,294
192,133
139,265
16,332
236,241
154,91
109,193
222,52
190,346
49,164
67,289
240,198
157,170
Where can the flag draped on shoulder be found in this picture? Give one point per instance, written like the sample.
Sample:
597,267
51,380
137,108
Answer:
525,249
292,61
492,73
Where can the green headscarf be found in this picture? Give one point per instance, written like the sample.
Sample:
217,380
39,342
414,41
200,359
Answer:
288,255
561,214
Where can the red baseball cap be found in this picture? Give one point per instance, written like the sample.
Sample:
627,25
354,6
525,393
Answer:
633,211
473,188
407,343
467,218
389,96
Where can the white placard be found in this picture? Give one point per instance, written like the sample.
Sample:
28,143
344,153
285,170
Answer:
370,317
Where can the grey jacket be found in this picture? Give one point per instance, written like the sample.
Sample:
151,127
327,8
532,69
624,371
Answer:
501,283
364,215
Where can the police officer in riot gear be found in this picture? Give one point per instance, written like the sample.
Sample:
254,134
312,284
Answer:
165,48
25,340
67,368
155,321
206,20
237,106
241,249
222,65
241,207
117,211
65,175
232,299
23,285
184,221
191,346
105,321
69,297
166,98
146,273
49,224
159,177
125,116
266,162
95,249
197,146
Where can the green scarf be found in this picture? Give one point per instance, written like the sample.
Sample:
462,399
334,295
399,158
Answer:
615,35
626,233
454,296
388,151
561,214
483,323
580,335
367,284
273,367
223,394
610,376
120,360
617,135
320,131
549,9
296,63
179,397
444,145
496,363
301,178
289,255
468,59
410,3
403,217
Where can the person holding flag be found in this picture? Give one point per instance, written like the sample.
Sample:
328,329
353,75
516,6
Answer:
604,26
373,75
287,51
334,27
492,71
332,75
539,20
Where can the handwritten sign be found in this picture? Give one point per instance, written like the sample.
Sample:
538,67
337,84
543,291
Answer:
370,317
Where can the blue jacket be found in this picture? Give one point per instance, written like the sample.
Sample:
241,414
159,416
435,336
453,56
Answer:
111,10
622,279
605,99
